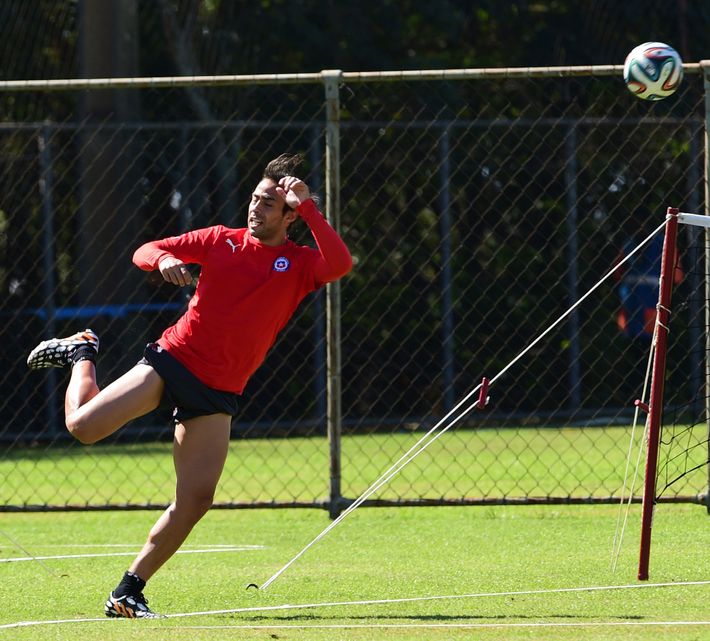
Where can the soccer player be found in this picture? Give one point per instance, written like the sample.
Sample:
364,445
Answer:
252,280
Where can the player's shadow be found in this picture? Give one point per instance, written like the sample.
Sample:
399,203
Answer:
312,618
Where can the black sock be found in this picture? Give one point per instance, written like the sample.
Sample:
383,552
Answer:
131,584
84,353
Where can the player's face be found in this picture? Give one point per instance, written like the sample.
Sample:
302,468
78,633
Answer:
267,220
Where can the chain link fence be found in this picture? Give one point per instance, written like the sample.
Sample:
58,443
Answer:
479,206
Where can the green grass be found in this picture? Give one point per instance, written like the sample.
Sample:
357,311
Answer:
376,553
483,463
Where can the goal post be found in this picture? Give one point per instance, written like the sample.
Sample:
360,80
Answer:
655,406
655,442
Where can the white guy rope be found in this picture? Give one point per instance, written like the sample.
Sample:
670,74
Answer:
403,460
604,278
621,529
417,599
32,557
423,443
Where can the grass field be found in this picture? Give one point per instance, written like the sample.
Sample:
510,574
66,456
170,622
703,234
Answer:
507,572
511,462
376,553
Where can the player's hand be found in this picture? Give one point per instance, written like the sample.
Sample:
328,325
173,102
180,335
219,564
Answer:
175,271
293,190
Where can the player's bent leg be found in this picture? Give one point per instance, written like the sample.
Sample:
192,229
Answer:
82,386
200,450
134,394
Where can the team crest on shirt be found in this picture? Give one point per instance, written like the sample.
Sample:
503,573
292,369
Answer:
281,264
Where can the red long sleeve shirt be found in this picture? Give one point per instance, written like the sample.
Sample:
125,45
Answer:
247,292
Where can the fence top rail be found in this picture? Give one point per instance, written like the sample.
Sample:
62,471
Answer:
238,124
320,77
500,72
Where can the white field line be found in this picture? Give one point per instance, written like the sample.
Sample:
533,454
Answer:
274,608
207,550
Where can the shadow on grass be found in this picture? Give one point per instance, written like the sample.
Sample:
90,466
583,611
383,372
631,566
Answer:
312,618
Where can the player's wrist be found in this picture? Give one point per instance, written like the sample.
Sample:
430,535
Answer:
163,257
307,208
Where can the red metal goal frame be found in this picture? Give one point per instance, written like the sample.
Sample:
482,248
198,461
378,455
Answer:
655,406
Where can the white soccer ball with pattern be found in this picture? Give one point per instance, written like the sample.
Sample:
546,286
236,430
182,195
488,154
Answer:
653,71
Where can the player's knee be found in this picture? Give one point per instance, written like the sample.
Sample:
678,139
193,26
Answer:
203,502
198,502
80,429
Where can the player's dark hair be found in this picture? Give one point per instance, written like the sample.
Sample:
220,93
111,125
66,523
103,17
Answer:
284,165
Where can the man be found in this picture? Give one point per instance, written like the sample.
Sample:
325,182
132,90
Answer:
251,282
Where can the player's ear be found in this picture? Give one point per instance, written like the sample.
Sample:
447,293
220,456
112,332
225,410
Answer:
290,215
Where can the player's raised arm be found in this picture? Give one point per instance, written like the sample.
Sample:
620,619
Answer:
336,260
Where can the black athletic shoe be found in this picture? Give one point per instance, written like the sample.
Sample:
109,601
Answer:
58,352
128,607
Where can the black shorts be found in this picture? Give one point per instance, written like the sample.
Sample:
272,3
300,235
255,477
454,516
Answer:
189,396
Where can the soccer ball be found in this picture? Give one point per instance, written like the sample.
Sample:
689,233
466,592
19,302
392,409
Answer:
653,71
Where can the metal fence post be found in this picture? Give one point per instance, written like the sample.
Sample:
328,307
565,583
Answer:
447,284
319,339
694,238
574,378
331,80
183,184
48,267
705,65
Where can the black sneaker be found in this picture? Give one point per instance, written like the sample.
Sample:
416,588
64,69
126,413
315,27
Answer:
58,352
128,607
